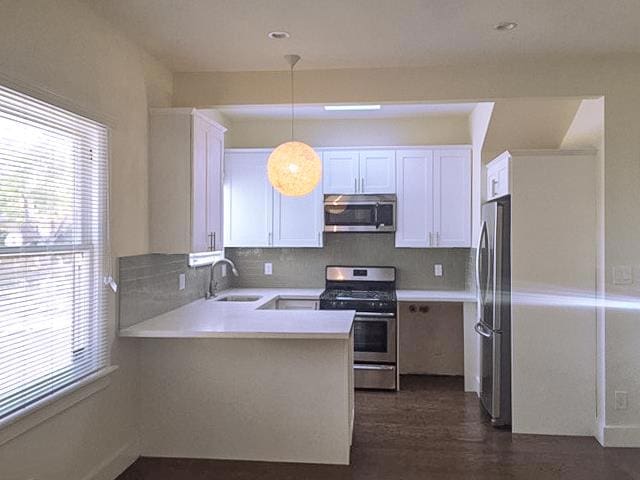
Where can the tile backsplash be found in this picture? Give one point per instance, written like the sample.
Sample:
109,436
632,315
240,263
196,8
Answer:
305,267
148,285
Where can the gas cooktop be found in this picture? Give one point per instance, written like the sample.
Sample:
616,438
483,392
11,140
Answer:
364,289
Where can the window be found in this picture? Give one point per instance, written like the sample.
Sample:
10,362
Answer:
53,207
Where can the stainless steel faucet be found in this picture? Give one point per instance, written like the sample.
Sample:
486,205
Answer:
211,292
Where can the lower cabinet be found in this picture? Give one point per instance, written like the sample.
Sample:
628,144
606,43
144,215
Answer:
258,216
431,339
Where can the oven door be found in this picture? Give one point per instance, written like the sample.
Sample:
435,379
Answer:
363,216
374,337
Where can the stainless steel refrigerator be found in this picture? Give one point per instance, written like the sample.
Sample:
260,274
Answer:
493,282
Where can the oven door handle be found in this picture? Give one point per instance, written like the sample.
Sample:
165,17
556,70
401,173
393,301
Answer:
361,366
375,315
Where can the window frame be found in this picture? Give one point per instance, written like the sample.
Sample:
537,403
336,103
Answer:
84,246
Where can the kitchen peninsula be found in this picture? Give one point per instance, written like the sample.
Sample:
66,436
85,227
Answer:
234,378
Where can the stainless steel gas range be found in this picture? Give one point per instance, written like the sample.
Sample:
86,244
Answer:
371,292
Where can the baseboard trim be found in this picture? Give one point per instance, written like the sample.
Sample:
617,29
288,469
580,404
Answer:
625,436
116,463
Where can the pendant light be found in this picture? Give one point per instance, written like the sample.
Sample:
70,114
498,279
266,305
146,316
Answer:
294,168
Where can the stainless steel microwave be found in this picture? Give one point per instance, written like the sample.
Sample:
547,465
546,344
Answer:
359,213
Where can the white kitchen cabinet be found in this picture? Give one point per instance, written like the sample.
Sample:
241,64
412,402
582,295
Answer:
434,198
415,198
340,172
248,200
256,215
185,181
359,171
378,171
298,221
296,304
498,182
452,198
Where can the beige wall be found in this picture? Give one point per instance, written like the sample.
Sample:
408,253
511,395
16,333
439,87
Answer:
61,50
618,79
436,130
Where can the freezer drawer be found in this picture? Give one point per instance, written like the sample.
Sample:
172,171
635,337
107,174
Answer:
374,376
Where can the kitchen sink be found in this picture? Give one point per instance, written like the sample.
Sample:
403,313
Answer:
239,298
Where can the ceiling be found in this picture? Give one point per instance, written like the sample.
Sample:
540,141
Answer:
317,112
231,35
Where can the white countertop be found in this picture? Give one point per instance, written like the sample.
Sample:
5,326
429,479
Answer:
213,319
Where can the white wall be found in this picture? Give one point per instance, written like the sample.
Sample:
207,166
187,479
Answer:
587,130
70,56
434,130
616,78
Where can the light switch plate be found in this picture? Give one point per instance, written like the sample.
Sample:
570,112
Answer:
437,269
268,268
182,281
622,275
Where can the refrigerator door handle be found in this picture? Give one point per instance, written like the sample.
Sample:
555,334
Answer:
483,233
482,330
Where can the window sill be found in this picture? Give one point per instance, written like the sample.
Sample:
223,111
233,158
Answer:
33,415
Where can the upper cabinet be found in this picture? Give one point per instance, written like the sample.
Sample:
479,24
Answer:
452,198
185,181
248,198
359,171
434,198
498,172
340,172
256,215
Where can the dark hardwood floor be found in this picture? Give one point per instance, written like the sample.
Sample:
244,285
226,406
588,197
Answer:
429,430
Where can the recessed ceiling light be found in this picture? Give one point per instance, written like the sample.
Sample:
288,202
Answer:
340,108
505,26
279,35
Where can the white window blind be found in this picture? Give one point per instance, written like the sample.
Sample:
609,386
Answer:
53,213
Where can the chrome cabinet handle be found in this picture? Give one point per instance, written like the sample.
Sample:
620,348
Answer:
210,241
430,239
362,184
494,183
437,239
481,330
270,240
214,241
355,185
319,238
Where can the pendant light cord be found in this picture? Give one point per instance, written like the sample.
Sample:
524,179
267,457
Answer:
292,108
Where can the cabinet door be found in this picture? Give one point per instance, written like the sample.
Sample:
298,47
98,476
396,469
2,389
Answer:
378,171
452,198
414,170
248,200
215,153
498,177
297,221
340,172
199,199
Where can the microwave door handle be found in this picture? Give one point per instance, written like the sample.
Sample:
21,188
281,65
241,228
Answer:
375,216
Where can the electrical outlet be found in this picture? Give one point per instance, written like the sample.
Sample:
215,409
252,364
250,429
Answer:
224,269
621,400
437,269
268,268
622,275
182,281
